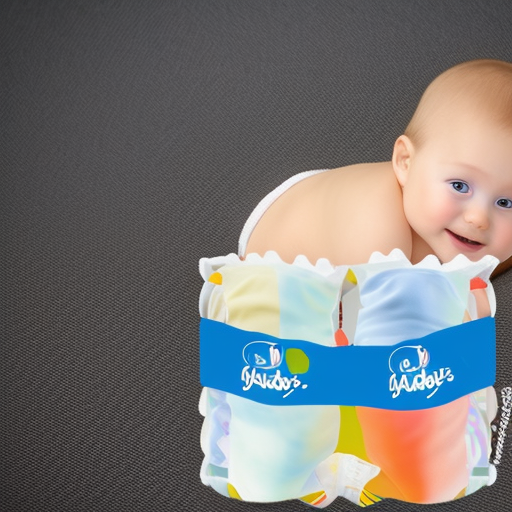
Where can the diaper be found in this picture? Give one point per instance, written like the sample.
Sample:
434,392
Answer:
287,383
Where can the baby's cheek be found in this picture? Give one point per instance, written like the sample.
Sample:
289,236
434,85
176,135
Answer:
443,211
502,238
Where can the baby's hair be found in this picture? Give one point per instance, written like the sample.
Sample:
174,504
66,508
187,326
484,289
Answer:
479,86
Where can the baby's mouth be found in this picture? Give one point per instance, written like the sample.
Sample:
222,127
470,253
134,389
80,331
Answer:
466,241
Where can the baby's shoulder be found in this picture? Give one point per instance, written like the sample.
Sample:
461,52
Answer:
346,189
368,177
366,208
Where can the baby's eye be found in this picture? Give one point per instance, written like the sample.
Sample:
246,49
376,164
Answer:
504,203
460,186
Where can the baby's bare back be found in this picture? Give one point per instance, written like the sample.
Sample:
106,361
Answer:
343,215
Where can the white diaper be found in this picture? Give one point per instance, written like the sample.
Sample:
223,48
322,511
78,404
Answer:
263,453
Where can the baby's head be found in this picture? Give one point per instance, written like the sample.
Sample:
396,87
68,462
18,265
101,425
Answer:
454,163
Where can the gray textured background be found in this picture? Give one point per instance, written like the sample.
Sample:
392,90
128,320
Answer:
136,137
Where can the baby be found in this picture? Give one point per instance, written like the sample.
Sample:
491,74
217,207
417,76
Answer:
446,191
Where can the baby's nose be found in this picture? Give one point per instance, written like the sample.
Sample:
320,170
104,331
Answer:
478,216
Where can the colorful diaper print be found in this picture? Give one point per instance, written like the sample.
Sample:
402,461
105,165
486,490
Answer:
366,382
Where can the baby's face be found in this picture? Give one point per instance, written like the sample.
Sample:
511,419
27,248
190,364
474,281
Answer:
458,193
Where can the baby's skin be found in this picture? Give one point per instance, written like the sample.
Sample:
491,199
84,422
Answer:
446,191
319,215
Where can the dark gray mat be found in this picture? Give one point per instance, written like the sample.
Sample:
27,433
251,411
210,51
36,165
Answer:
136,137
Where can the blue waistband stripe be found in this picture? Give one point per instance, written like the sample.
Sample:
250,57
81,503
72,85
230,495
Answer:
414,374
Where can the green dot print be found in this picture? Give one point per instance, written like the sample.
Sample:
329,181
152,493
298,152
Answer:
297,361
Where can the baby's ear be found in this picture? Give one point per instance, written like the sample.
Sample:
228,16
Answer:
402,153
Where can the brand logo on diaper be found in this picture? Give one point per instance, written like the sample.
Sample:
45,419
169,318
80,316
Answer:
260,356
408,372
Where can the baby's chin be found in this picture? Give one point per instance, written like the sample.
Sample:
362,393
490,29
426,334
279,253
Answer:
471,256
448,255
